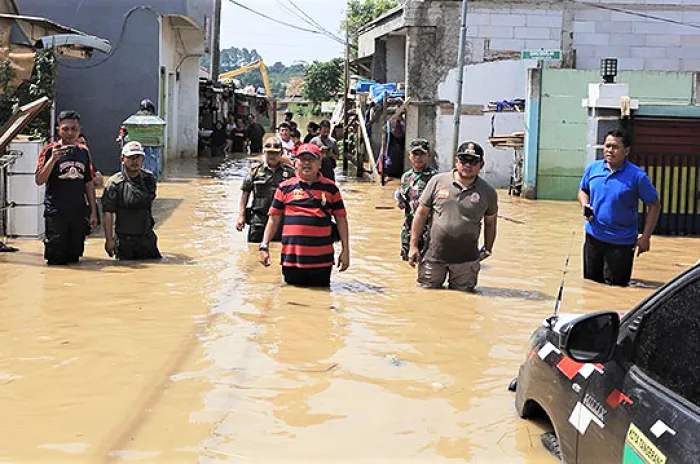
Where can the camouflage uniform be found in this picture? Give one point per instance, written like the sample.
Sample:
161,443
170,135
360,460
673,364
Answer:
412,185
262,181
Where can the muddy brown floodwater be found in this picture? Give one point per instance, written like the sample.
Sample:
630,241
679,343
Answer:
207,357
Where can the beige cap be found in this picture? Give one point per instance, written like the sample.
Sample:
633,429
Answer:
132,149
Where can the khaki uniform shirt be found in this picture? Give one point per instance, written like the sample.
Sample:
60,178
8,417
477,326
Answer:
456,217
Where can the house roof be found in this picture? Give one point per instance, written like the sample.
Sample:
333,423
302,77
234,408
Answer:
389,15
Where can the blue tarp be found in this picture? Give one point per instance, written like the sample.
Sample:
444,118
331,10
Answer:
376,92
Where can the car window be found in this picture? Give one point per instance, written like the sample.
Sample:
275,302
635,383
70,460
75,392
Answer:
668,343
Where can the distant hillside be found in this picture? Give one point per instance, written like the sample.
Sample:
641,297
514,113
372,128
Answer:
232,58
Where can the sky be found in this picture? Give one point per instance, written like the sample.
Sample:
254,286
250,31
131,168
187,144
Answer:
275,42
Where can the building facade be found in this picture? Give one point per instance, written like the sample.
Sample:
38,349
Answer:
417,44
156,50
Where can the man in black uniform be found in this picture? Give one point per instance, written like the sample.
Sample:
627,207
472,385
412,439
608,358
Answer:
129,196
64,166
262,180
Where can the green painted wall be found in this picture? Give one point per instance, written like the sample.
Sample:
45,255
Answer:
564,125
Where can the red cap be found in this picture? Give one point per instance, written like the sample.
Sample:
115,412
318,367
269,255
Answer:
311,149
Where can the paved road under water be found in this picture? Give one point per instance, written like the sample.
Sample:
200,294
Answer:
208,357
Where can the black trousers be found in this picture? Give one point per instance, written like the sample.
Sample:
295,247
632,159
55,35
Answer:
256,230
315,277
137,247
607,263
64,239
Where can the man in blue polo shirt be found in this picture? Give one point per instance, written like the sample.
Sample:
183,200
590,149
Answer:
609,193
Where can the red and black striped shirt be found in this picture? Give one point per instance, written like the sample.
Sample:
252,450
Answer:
306,233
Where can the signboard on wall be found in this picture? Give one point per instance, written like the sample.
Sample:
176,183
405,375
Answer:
540,54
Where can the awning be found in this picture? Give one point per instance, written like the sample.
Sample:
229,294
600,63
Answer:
36,32
21,36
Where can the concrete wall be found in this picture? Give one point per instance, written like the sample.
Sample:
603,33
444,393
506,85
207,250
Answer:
107,93
561,155
640,43
396,58
484,82
179,48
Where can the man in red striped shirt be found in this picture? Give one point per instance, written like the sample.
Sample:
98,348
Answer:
307,203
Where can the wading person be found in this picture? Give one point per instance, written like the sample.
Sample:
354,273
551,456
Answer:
312,130
255,133
64,166
306,204
457,201
413,183
127,202
609,194
285,136
262,181
329,148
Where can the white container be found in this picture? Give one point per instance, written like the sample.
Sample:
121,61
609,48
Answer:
22,190
25,164
25,221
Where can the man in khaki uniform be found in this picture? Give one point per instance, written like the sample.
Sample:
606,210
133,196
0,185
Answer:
262,181
458,200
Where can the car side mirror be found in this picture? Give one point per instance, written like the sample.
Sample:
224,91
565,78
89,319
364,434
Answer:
591,338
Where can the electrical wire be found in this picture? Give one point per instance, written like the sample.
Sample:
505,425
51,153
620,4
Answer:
310,23
120,40
315,23
637,13
283,23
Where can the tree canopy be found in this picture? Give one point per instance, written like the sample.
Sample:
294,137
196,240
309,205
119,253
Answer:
361,13
323,80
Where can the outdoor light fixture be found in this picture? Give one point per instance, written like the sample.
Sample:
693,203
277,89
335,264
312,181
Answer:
608,69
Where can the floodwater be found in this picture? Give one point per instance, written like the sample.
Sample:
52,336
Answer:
207,357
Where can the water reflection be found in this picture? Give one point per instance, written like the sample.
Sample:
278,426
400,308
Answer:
208,356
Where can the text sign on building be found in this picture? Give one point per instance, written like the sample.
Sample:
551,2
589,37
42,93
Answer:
541,54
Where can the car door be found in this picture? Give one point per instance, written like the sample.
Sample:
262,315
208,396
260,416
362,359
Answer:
645,403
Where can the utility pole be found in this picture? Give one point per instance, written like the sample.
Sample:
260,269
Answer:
460,79
215,41
346,89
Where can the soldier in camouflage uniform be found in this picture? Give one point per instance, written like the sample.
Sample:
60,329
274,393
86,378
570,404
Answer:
129,196
413,182
262,181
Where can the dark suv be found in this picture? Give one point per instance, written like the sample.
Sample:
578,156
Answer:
620,390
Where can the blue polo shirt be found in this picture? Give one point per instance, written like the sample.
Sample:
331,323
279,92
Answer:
615,197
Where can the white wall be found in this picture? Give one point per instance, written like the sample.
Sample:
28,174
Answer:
182,92
396,58
639,43
483,82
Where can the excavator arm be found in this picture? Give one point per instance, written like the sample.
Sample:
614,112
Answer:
249,67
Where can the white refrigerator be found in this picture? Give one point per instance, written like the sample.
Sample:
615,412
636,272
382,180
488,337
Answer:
25,214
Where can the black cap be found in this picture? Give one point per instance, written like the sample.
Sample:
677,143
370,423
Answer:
419,145
468,149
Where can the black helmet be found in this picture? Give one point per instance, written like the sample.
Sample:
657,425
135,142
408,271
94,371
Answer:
147,105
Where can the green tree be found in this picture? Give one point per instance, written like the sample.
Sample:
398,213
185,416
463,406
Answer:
362,12
41,84
323,80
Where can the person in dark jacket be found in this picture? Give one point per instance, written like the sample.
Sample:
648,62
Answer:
65,167
127,202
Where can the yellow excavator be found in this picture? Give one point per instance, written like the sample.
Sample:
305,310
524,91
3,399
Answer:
249,67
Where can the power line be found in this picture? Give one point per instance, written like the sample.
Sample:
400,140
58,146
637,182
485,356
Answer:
120,40
636,13
293,26
297,15
315,23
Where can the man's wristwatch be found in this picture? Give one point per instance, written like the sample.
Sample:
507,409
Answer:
484,253
264,247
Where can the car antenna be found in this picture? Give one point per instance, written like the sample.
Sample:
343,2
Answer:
560,295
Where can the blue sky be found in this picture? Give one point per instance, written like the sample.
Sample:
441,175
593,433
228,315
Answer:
275,42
